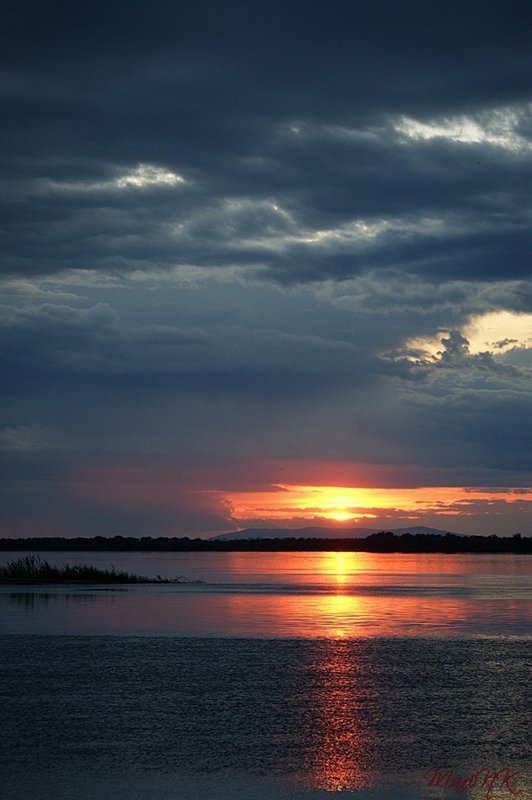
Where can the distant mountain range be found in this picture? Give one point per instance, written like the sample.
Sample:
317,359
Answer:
322,533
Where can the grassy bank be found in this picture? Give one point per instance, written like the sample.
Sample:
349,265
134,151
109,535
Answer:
31,569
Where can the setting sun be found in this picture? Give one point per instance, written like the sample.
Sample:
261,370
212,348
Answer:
338,507
339,516
334,503
341,504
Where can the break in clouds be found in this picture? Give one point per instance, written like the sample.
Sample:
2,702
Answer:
246,233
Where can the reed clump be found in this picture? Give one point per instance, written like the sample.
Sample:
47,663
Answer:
31,569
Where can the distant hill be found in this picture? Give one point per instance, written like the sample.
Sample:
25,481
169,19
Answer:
321,533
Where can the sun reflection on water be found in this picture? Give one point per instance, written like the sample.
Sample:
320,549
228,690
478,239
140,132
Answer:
341,567
338,763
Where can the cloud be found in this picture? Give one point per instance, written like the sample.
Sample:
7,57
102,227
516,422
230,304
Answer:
255,233
500,127
258,141
29,437
140,177
326,206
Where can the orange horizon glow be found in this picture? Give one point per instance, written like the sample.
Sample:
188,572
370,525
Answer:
329,495
350,503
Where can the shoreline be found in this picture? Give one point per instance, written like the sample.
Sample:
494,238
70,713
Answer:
378,543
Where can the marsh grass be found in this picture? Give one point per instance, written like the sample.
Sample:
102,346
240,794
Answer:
31,568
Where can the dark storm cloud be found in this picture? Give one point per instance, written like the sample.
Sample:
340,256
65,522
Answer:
222,226
280,118
238,55
79,346
456,227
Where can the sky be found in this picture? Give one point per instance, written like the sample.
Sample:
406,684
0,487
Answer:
265,263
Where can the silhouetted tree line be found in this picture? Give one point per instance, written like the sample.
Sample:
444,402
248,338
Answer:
383,542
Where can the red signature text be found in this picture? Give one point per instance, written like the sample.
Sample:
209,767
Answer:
486,779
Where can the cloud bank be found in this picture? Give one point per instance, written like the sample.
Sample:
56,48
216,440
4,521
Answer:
259,234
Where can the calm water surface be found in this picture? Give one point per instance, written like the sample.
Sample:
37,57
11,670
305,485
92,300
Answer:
279,677
284,595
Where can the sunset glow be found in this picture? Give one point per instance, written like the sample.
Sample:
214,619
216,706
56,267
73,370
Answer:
249,495
356,504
